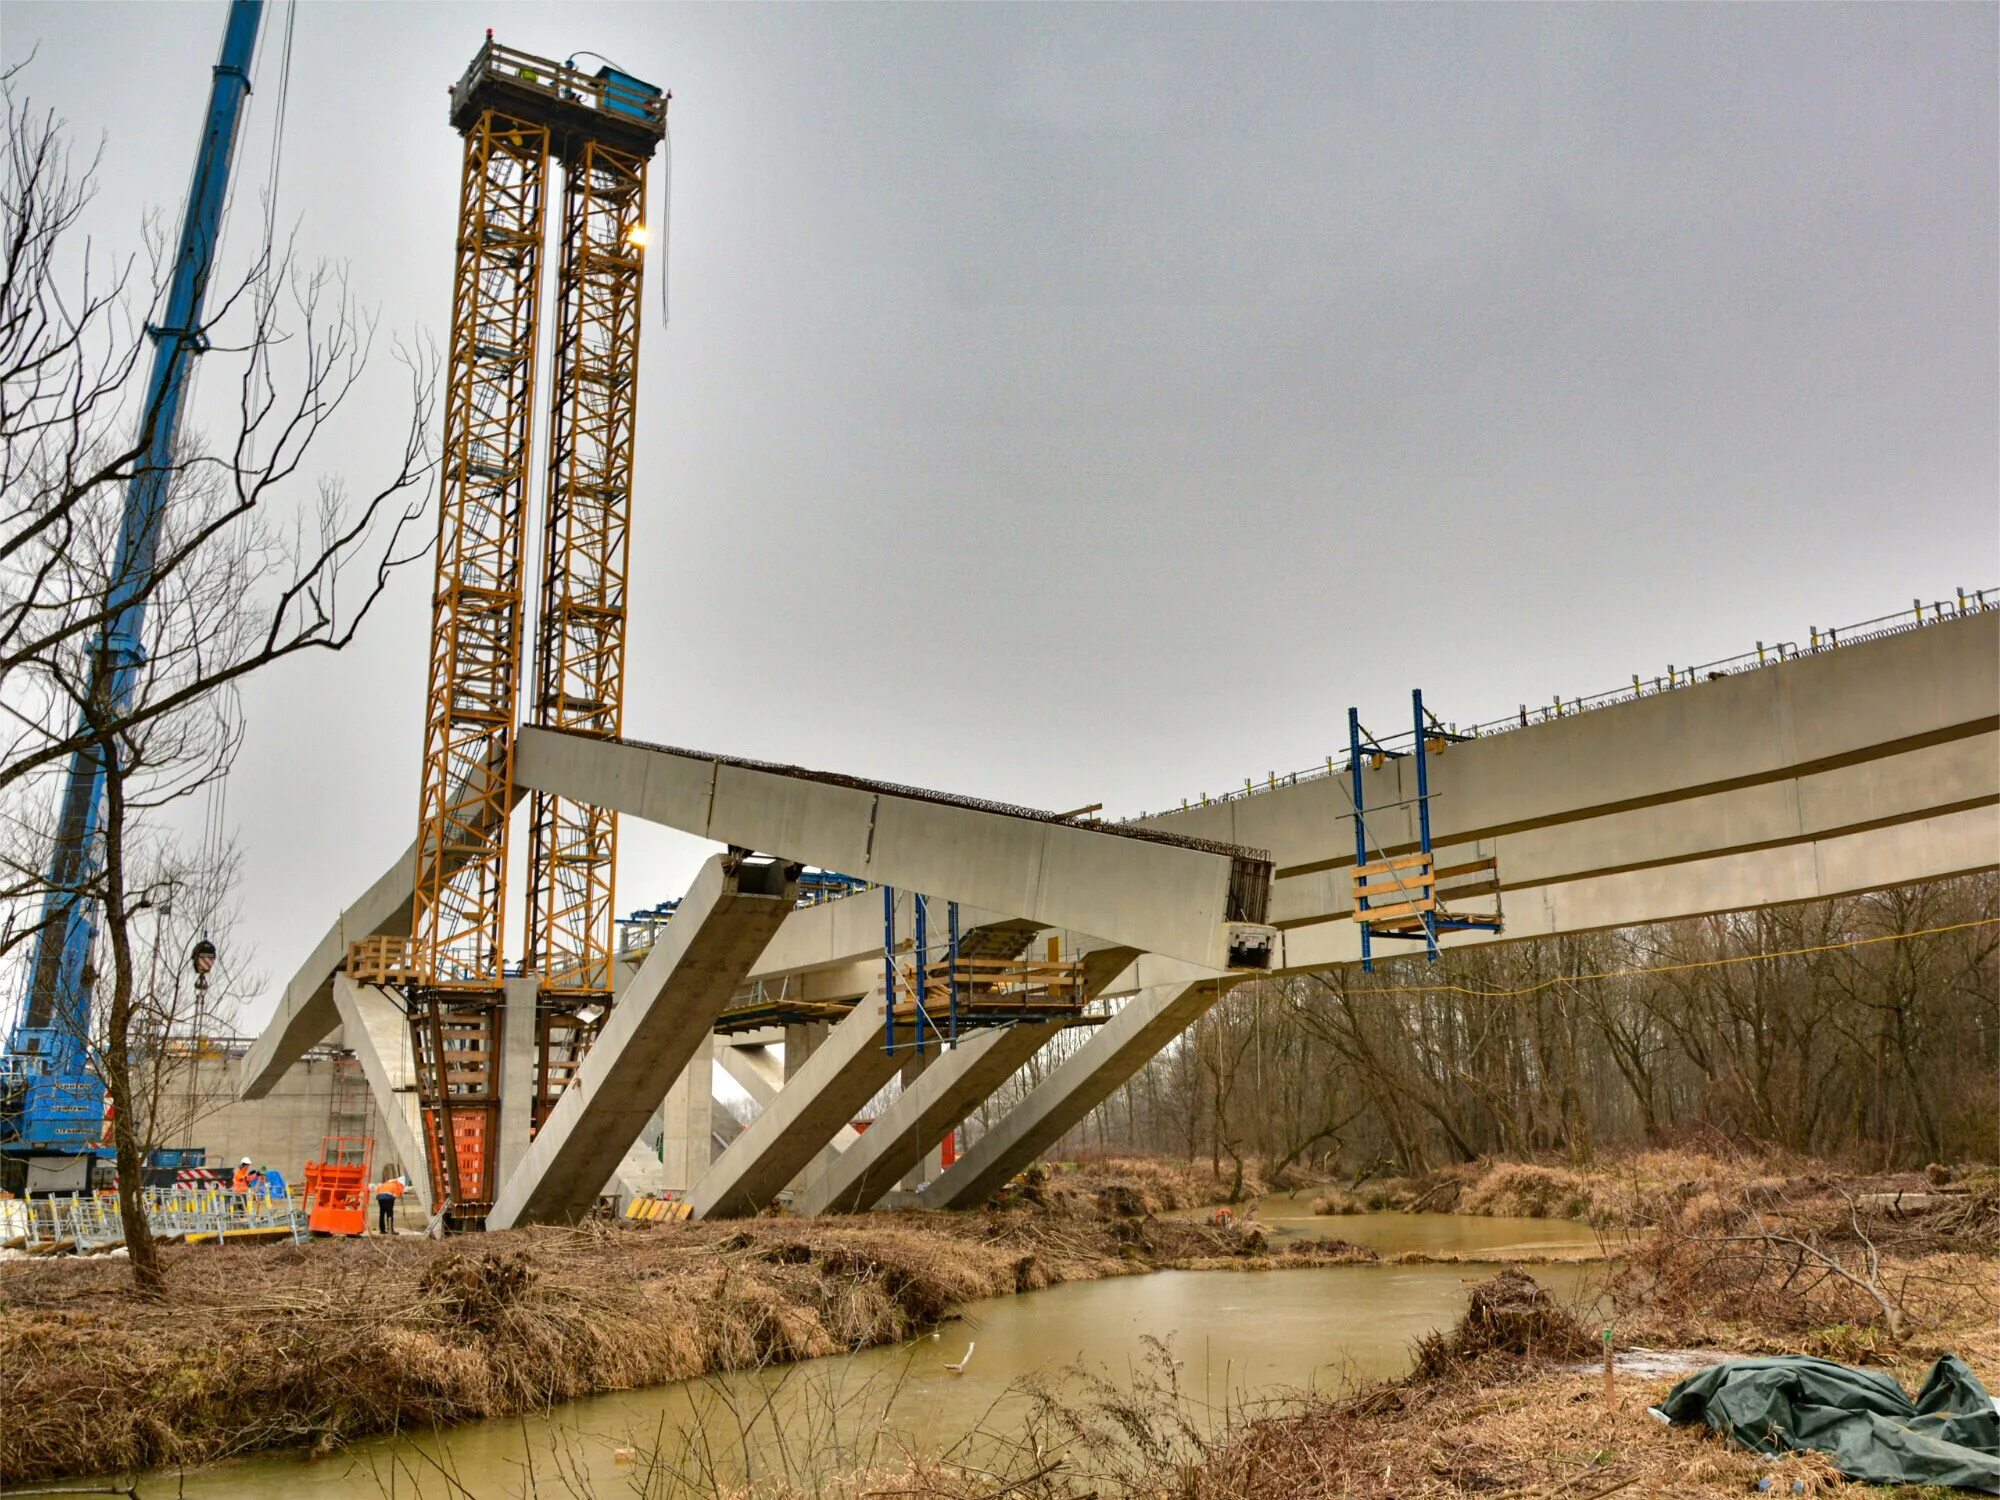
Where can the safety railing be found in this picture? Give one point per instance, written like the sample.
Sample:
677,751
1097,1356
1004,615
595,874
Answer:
615,94
382,959
1919,616
84,1223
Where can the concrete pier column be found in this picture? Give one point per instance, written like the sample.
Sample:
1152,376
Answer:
519,1045
930,1159
688,1120
802,1039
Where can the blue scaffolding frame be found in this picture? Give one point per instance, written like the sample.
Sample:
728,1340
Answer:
1421,917
920,920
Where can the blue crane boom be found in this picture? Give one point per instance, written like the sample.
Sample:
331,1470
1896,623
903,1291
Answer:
51,1103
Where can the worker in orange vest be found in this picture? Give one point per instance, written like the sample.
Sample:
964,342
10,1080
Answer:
241,1182
386,1194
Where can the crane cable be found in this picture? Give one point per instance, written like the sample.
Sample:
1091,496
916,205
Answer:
278,128
215,832
666,216
1525,991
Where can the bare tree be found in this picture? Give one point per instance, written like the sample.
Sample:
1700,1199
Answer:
237,570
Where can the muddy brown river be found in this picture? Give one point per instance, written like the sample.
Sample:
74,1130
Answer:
1232,1336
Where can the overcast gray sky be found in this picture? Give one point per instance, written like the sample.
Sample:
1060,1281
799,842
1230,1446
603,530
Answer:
1079,404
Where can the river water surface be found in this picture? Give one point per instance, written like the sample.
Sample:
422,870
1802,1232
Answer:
1235,1336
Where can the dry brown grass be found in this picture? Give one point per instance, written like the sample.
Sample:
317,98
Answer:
318,1344
1514,1435
1142,1184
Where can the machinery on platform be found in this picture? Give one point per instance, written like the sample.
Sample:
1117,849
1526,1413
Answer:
336,1185
52,1115
515,112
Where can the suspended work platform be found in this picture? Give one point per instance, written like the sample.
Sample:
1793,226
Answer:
1404,896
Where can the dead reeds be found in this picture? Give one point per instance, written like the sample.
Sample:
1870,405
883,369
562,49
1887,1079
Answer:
315,1345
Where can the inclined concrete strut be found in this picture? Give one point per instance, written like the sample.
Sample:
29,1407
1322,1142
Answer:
935,1103
844,1072
929,1108
660,1021
762,1076
1082,1081
377,1030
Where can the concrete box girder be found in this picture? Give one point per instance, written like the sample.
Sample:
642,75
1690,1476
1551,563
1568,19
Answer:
1950,776
1164,898
1860,702
1923,850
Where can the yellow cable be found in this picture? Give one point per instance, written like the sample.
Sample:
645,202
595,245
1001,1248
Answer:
1705,963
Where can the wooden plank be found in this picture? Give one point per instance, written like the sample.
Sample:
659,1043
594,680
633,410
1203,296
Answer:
1400,862
1389,890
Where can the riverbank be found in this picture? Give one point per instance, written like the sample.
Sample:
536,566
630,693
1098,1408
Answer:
1510,1404
315,1345
1712,1257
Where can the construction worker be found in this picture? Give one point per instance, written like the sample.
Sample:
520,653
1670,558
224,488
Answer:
240,1183
386,1195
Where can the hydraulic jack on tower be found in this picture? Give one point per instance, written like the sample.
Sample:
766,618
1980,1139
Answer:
1402,896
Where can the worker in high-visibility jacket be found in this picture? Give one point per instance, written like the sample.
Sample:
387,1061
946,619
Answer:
386,1195
240,1183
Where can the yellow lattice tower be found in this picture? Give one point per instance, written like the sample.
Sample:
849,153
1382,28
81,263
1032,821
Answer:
580,636
458,918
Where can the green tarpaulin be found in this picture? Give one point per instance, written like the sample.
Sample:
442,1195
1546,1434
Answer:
1861,1419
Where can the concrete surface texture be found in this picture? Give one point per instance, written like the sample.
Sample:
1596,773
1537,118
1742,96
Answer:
688,1120
284,1129
843,1073
1163,898
378,1029
662,1019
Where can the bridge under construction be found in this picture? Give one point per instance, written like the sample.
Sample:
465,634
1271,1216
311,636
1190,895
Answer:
853,940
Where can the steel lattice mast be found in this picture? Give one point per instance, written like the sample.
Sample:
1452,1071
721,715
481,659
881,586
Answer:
458,921
515,111
580,638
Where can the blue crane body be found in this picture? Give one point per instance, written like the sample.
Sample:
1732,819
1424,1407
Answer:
51,1102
